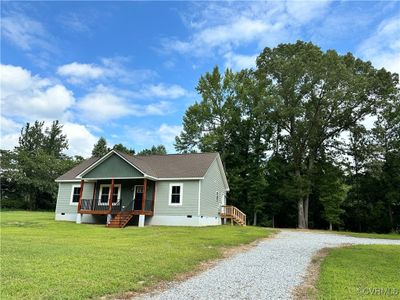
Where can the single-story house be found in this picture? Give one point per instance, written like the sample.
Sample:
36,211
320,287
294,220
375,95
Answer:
174,189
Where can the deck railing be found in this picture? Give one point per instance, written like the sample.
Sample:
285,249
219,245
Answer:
230,211
96,205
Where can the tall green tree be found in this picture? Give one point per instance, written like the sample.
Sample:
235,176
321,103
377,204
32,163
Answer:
319,96
154,150
100,148
122,148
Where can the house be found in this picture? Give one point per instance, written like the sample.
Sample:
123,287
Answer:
175,189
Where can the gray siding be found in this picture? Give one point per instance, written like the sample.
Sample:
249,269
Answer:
189,199
212,183
64,196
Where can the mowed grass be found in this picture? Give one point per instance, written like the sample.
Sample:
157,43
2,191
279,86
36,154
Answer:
360,272
390,236
45,259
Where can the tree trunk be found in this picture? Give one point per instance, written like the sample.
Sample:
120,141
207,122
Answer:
273,221
301,221
306,203
390,216
330,226
255,218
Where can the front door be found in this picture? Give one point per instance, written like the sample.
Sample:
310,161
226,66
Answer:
138,197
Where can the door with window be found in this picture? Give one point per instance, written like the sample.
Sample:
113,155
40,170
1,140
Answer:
138,197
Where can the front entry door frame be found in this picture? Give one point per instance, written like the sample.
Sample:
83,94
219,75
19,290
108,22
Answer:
134,196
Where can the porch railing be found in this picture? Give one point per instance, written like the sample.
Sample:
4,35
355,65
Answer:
95,204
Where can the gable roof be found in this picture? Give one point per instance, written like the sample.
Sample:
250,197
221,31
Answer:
169,166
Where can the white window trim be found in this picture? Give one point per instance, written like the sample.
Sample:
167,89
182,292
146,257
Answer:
109,185
170,194
72,194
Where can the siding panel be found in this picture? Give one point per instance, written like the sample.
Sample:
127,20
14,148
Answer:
212,183
64,196
189,199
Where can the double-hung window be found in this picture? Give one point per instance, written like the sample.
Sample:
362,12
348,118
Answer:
104,194
175,193
76,191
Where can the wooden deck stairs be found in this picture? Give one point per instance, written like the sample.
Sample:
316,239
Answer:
234,214
120,220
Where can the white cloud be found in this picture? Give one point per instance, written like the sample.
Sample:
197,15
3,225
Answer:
224,28
147,137
32,97
109,68
77,71
105,103
383,46
238,62
25,32
162,91
80,139
306,11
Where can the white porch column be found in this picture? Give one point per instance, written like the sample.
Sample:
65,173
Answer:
109,217
141,220
78,218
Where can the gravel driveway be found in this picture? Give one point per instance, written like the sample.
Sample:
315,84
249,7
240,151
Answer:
270,270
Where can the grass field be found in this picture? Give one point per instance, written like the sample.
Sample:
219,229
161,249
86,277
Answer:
391,236
360,272
44,259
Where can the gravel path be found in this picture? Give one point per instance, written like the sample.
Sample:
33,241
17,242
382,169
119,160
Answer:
268,271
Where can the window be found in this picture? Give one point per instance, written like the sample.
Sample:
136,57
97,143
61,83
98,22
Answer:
105,192
75,192
175,193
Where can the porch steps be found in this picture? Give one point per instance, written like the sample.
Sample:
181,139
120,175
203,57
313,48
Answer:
120,220
233,213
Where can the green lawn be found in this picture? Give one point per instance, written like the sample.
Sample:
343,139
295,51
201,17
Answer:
360,272
44,259
392,236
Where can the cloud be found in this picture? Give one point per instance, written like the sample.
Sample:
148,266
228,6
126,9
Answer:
147,137
105,103
77,71
108,68
383,46
80,139
32,97
224,28
238,61
25,32
162,90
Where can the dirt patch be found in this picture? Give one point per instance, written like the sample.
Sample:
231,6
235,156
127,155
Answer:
164,285
307,290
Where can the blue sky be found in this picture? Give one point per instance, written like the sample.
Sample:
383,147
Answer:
128,70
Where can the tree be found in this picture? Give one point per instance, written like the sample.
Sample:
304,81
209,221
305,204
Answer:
154,150
122,148
29,171
100,148
319,95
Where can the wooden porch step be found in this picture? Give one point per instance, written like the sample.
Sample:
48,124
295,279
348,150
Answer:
233,213
120,220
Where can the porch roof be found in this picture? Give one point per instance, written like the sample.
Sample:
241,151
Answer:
169,166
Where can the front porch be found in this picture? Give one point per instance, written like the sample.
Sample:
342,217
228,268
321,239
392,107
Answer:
119,199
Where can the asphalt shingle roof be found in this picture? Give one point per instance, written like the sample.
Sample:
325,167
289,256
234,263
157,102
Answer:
191,165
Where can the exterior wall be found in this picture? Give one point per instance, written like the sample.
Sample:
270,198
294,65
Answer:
212,182
113,166
64,196
189,199
182,221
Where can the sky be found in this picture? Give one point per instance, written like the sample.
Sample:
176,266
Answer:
127,71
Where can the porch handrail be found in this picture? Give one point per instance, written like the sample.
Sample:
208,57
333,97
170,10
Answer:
230,210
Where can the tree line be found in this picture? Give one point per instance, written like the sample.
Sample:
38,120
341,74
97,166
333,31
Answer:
29,170
291,134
